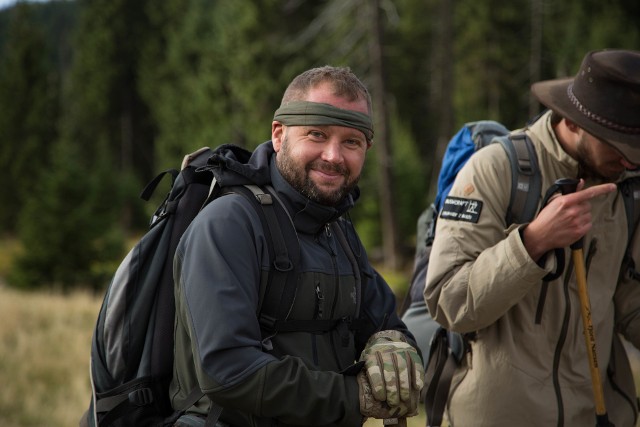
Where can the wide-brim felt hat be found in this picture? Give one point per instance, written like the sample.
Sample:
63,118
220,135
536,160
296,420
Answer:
603,98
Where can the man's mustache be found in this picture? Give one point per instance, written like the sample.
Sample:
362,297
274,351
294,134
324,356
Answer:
328,167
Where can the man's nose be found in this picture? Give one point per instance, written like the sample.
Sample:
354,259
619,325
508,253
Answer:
332,152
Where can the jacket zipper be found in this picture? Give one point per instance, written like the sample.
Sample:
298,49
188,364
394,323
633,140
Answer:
318,314
335,268
326,245
593,248
560,344
336,283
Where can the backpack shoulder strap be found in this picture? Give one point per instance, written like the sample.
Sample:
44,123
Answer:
630,190
341,231
284,252
526,180
346,246
438,376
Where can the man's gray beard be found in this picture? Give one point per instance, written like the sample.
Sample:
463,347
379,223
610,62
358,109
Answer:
299,179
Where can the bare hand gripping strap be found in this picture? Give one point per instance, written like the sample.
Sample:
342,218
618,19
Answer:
304,113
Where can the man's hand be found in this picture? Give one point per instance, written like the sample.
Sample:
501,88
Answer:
393,367
371,407
563,221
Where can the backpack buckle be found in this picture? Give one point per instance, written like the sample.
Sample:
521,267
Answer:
264,199
141,397
267,322
282,264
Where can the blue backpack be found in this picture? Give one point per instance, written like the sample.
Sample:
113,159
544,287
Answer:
523,205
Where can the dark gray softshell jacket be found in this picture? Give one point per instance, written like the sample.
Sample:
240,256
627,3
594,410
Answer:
219,265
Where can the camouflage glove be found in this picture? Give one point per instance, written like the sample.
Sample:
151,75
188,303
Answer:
393,367
371,407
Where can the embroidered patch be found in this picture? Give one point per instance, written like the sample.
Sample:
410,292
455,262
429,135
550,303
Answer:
459,209
468,189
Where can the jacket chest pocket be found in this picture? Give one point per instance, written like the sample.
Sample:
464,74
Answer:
324,296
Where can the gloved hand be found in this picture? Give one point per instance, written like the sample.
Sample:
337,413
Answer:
371,407
393,367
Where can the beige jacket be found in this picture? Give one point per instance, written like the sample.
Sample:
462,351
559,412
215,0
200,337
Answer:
480,278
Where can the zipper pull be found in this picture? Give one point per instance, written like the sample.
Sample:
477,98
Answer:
331,244
319,304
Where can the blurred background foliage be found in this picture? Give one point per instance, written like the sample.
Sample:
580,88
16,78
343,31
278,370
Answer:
98,96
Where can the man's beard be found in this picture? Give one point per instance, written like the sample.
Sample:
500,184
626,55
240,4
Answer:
587,170
298,177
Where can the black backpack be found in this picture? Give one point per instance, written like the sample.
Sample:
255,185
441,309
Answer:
132,345
444,350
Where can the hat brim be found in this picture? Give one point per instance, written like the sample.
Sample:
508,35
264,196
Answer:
553,94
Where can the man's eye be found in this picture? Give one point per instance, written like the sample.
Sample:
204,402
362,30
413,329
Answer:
316,134
354,143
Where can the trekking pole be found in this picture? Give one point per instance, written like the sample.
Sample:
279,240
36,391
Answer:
567,186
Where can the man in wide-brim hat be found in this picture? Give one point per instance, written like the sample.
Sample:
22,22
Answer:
528,364
603,100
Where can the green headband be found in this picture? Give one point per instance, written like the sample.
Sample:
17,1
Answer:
304,113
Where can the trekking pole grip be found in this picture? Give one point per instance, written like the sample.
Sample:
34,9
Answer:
568,186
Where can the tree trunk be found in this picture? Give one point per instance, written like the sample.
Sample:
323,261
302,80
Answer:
536,53
388,220
442,82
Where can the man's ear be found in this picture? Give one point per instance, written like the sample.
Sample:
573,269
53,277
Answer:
277,135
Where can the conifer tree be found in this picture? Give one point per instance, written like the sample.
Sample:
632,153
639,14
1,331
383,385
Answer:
28,112
67,230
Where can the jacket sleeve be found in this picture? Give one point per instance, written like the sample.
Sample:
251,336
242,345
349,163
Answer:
627,298
225,246
479,270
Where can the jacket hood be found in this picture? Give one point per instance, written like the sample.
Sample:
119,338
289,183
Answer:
233,165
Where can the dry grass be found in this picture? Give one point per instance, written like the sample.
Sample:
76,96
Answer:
45,343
